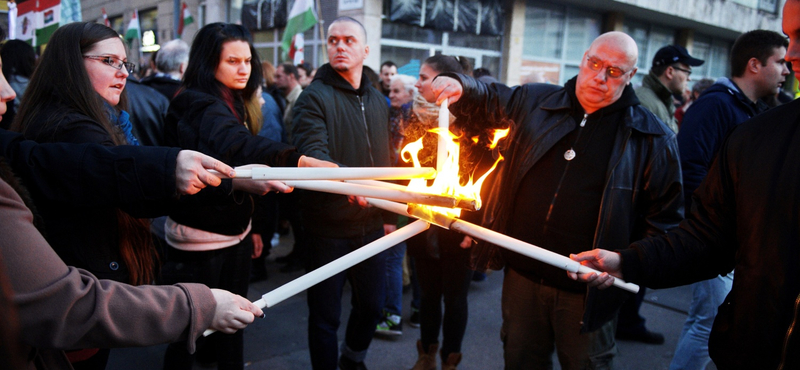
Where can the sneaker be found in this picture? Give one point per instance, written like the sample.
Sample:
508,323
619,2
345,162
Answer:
414,319
391,326
348,364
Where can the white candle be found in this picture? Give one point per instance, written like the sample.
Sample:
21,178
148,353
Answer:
338,265
463,203
335,173
397,195
444,124
515,245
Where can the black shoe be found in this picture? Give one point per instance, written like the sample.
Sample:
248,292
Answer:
348,364
414,319
644,336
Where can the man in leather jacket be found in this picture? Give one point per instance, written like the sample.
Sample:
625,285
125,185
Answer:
586,167
745,216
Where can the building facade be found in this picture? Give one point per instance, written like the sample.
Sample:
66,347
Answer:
536,40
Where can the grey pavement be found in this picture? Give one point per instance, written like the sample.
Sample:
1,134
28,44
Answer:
279,341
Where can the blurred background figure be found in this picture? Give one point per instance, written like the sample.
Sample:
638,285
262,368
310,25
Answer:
171,62
19,61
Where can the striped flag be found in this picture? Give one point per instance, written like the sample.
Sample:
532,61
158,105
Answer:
26,22
134,31
48,18
301,18
106,22
186,19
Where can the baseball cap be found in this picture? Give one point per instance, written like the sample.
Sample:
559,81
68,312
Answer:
671,54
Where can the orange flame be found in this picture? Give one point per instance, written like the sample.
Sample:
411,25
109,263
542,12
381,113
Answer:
447,179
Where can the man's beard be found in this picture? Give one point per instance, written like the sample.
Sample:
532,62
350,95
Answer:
341,68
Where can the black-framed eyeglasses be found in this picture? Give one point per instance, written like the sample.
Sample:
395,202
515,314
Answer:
688,71
113,62
612,72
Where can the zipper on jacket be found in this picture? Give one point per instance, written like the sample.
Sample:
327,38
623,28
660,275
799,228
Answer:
366,128
563,174
789,333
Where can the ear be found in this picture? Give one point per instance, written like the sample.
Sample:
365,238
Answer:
669,72
754,65
366,52
182,68
633,73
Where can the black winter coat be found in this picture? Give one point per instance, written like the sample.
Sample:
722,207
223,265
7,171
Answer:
744,216
335,122
84,232
203,122
643,194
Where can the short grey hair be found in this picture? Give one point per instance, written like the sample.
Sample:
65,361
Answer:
408,83
172,55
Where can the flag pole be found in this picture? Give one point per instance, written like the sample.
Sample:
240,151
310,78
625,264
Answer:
321,26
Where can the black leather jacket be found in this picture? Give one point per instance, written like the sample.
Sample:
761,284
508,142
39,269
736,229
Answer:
643,194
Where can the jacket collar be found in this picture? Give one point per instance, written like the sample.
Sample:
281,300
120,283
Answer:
329,76
652,82
563,100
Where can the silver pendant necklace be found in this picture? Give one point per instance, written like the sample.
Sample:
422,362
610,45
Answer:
570,153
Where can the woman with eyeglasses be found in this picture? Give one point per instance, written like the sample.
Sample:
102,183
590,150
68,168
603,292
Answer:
76,96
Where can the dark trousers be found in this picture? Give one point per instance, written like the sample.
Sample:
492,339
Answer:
539,319
447,280
228,269
368,282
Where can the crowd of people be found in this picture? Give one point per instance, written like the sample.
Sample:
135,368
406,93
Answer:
109,206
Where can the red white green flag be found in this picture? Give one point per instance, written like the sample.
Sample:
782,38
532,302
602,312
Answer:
186,19
48,18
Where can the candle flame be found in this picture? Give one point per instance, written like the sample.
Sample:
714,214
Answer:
447,181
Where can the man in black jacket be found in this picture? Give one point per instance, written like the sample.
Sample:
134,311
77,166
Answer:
586,167
341,118
745,216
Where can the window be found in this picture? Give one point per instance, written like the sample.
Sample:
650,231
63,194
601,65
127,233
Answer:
556,37
715,53
408,46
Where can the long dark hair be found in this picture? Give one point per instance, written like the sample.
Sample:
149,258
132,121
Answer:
204,57
61,75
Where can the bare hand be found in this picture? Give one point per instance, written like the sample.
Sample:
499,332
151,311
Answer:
602,260
361,201
191,173
466,242
306,161
233,312
389,228
446,88
258,245
259,187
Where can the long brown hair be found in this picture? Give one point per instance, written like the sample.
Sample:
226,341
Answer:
61,75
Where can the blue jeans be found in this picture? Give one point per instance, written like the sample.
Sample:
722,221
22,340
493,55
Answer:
692,349
368,282
394,279
539,319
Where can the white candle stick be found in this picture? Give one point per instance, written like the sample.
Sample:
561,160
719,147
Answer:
396,194
463,203
444,124
334,173
507,242
336,266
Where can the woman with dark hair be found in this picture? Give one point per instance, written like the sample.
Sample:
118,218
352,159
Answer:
19,61
441,264
209,237
76,96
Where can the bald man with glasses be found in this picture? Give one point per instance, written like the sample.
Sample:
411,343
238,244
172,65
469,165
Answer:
586,166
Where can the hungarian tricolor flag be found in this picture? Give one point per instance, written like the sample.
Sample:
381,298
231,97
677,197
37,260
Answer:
301,18
186,19
37,20
134,31
106,22
48,19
